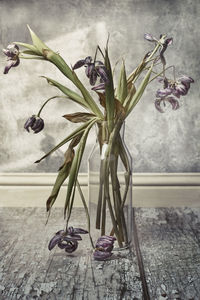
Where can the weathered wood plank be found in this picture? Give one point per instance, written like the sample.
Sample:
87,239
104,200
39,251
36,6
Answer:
170,246
28,270
169,242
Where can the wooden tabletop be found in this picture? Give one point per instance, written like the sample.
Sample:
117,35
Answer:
169,241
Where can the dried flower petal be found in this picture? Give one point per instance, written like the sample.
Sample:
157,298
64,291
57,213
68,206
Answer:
79,64
12,53
100,255
89,69
186,79
88,59
107,237
157,105
54,241
74,237
163,92
100,86
71,246
93,77
102,71
71,230
149,37
173,102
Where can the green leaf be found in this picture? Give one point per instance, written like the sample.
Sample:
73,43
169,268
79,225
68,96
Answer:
110,97
30,47
62,175
88,98
130,95
37,42
71,94
59,62
122,85
74,171
138,94
67,139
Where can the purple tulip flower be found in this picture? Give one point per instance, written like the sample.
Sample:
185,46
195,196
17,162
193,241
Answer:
177,88
12,53
104,247
35,123
93,70
67,240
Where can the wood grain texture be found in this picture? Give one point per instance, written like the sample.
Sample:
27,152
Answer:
28,270
170,246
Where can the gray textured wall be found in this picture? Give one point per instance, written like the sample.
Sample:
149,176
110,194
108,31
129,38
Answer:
158,142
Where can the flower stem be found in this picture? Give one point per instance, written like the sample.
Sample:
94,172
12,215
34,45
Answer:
39,112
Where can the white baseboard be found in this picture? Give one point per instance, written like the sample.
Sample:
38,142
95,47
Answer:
149,189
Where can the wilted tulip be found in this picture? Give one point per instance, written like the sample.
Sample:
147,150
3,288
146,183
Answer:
174,103
103,248
93,70
67,240
149,37
12,53
35,123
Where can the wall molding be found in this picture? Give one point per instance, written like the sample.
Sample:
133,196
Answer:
149,189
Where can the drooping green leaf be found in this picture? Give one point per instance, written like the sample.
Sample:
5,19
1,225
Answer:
122,85
67,139
74,170
62,175
72,145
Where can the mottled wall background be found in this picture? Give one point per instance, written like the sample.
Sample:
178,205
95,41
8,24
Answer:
158,142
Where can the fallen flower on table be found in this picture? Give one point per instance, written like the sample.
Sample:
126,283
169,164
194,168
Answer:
67,240
104,247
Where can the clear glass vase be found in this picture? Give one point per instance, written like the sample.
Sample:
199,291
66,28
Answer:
110,187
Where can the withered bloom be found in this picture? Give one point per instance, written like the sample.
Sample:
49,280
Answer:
67,240
174,103
177,88
12,53
35,123
104,247
93,70
168,41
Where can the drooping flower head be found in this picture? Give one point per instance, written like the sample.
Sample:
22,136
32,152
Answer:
67,240
12,53
35,123
104,247
172,88
93,70
167,41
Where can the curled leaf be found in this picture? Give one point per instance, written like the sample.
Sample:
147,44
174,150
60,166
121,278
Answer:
79,117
